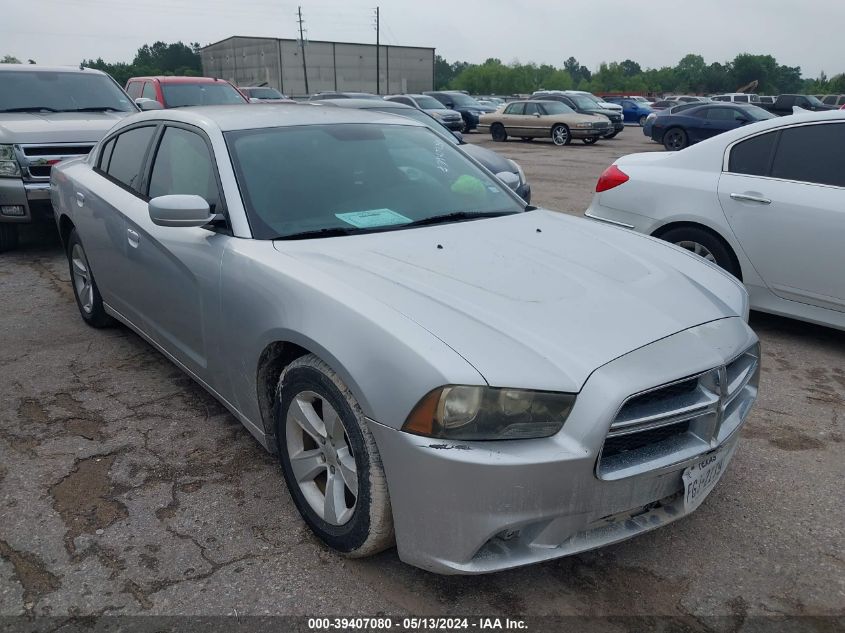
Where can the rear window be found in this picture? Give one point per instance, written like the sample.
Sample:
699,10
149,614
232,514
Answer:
428,103
217,93
812,153
754,156
127,157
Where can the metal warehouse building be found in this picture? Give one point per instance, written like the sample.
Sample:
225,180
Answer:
250,61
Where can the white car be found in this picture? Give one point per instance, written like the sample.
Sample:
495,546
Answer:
765,201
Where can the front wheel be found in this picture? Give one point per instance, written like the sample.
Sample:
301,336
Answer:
611,135
330,460
498,132
590,140
704,244
675,139
8,237
85,290
561,135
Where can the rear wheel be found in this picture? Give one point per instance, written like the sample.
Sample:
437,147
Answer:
8,237
642,120
561,135
704,244
330,460
85,290
675,139
498,132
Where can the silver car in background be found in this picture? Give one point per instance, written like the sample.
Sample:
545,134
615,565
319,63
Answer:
436,366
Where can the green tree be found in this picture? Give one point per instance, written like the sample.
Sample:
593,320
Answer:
10,59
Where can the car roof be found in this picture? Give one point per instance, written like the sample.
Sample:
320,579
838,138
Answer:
362,104
50,69
229,118
173,79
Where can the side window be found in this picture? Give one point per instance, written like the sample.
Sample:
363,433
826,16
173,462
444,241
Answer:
404,100
532,108
802,102
149,90
721,114
741,98
134,89
830,100
515,108
105,155
753,156
127,157
812,153
183,165
841,100
703,113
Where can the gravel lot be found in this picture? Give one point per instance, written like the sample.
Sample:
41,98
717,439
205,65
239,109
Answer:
126,489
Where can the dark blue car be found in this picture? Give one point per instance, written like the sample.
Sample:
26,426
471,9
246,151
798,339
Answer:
633,111
677,131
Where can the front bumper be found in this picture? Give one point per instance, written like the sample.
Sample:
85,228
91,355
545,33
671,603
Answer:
33,197
476,507
456,125
588,132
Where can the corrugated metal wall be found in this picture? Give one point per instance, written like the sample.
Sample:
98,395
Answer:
247,61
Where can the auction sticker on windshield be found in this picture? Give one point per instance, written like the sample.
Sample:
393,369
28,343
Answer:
702,476
372,218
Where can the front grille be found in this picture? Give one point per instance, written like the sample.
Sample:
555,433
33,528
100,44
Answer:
681,419
37,160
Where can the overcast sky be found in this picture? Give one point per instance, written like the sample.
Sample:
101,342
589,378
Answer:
806,34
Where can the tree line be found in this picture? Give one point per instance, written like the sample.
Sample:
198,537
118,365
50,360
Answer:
691,75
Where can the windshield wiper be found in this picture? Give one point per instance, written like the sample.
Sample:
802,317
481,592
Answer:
456,216
94,109
328,232
30,109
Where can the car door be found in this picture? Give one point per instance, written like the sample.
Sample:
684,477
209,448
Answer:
783,193
531,123
512,118
718,120
175,270
101,198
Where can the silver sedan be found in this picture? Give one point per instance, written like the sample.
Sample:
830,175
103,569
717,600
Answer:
436,365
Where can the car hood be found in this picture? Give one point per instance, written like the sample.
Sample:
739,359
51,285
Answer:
534,300
490,159
444,112
57,127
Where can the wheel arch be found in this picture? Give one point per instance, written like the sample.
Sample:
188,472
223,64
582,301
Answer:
66,225
662,230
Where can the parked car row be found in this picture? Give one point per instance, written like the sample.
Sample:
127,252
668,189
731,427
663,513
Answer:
687,124
533,118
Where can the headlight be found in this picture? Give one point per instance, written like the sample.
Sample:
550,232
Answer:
8,163
461,412
583,125
475,113
518,169
437,116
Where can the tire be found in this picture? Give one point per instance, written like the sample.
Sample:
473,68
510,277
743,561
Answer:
706,244
561,135
85,290
8,237
642,120
611,135
675,139
590,140
498,132
365,527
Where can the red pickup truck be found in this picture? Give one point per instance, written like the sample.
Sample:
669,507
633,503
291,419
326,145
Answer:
177,92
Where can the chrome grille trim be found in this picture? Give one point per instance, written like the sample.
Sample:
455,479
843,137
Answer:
36,159
705,409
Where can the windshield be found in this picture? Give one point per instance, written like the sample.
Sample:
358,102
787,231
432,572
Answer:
61,92
382,177
555,107
465,101
264,93
428,103
585,103
178,95
759,114
422,117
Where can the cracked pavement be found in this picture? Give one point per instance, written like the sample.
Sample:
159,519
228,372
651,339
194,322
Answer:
126,489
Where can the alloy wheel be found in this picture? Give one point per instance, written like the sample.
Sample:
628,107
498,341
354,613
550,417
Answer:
82,283
698,249
560,135
321,458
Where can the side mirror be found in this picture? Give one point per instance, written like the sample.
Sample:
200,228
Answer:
458,136
508,178
148,104
450,105
180,210
537,114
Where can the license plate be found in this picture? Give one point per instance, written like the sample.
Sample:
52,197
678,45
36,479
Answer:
702,476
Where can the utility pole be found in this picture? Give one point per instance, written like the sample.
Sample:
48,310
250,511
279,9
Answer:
302,48
378,55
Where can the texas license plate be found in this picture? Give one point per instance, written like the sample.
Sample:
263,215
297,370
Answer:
702,476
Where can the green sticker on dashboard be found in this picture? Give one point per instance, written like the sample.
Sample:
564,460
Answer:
372,218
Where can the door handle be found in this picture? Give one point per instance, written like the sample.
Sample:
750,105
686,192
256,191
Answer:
133,238
743,197
80,198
